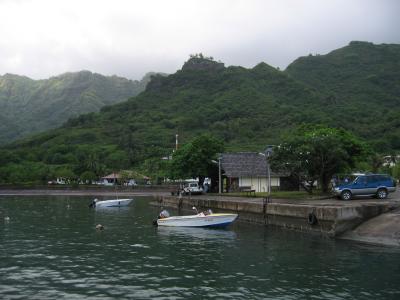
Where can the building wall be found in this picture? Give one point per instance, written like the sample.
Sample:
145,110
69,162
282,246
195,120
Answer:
258,183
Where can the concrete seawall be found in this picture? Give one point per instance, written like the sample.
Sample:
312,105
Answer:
326,217
383,229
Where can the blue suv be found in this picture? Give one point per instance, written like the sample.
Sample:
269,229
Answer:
379,185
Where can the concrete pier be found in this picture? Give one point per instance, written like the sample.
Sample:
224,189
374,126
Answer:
383,229
329,217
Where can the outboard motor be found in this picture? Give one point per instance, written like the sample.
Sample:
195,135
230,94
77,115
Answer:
93,203
163,214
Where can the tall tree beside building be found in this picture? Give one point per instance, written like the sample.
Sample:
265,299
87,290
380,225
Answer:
196,159
316,153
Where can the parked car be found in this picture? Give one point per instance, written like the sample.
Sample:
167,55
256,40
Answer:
192,188
378,185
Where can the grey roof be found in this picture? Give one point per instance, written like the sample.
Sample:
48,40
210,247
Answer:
244,164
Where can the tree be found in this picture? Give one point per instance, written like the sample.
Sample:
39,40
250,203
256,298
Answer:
376,162
196,158
156,169
65,172
88,177
117,160
396,171
316,153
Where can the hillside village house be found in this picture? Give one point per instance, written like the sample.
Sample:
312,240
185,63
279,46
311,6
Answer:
249,169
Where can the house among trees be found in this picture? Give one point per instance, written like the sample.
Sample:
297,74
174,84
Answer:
249,169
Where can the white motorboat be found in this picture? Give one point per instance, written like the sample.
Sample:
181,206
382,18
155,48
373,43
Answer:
202,219
110,203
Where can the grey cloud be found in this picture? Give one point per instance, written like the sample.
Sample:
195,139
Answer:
129,38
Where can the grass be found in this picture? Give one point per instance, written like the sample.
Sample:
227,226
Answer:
301,195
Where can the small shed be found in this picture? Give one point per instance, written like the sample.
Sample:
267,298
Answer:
248,169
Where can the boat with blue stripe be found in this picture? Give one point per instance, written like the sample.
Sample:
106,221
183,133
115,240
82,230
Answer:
202,219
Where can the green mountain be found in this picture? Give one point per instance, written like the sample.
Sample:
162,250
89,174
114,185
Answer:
355,87
28,106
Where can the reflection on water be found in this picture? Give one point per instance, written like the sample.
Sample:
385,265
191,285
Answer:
187,233
50,249
112,210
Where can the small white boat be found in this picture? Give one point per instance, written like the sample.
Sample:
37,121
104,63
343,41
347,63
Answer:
110,203
199,220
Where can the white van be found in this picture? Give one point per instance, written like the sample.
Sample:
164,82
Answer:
192,188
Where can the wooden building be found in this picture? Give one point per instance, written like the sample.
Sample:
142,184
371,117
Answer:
249,169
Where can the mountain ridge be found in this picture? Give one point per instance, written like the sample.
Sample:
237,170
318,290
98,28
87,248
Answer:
28,106
362,80
247,108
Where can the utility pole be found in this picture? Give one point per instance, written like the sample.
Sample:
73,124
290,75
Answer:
219,176
268,177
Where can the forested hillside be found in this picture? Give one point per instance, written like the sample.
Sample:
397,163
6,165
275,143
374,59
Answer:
361,87
29,106
246,108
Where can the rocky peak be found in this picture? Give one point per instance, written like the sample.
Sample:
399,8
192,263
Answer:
200,62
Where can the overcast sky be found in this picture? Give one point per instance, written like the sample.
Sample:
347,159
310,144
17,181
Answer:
42,38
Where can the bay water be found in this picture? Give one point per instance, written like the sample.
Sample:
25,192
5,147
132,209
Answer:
50,249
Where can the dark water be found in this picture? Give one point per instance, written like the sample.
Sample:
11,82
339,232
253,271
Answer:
49,249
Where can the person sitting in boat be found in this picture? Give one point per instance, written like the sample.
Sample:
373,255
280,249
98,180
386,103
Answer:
208,212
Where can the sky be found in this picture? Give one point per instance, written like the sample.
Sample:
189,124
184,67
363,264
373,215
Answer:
44,38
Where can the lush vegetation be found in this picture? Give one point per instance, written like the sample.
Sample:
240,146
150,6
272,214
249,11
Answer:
29,106
360,85
197,159
314,154
246,109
